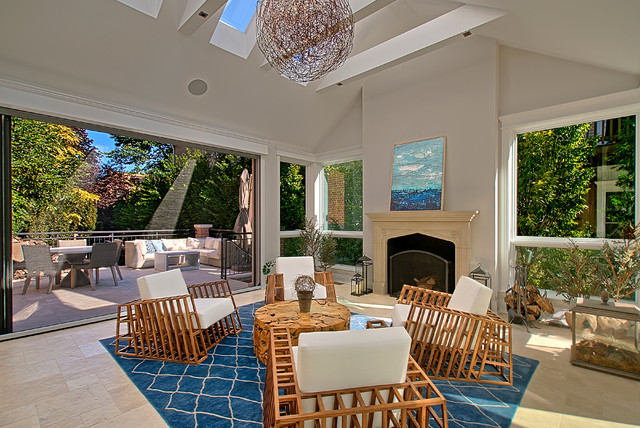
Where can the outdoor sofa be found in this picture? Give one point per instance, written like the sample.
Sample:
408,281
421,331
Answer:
140,253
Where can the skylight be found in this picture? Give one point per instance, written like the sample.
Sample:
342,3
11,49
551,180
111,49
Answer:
238,13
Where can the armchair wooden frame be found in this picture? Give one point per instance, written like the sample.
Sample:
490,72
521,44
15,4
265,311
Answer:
275,286
169,329
454,345
408,404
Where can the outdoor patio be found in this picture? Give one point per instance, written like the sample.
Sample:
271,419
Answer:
37,309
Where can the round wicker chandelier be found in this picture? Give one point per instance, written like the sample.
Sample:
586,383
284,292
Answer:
305,39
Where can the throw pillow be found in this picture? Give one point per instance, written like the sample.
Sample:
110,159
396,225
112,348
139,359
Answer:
193,243
159,246
150,248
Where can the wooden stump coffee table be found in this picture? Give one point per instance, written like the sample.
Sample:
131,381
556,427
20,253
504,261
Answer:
324,316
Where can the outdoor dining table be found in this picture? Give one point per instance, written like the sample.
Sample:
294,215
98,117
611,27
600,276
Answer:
73,255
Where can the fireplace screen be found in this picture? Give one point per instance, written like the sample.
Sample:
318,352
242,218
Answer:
417,267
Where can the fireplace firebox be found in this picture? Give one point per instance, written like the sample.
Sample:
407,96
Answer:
421,260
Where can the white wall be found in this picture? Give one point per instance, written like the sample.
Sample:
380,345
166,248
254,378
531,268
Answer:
530,81
462,103
459,104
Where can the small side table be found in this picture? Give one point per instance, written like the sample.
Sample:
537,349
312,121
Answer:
324,316
187,260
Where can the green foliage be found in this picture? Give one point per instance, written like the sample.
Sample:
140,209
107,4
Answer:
291,247
348,250
624,156
49,172
211,196
138,156
266,268
553,181
351,172
292,196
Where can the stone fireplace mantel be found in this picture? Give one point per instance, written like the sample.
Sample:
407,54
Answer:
452,226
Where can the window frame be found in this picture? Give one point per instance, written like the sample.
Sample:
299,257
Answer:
590,110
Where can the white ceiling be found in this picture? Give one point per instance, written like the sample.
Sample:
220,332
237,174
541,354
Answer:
106,50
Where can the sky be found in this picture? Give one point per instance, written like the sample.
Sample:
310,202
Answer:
102,141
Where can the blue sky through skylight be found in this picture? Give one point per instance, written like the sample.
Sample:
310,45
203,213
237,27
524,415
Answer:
238,13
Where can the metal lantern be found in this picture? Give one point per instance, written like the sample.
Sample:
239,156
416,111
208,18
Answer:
356,284
481,275
362,281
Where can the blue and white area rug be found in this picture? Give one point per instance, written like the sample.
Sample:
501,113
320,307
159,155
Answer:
226,389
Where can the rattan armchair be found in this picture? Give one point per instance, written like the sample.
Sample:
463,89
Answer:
175,322
331,384
457,338
280,284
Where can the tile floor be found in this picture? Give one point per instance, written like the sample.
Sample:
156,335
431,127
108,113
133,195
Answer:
66,379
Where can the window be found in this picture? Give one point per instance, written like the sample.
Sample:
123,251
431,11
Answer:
238,13
292,207
577,180
343,208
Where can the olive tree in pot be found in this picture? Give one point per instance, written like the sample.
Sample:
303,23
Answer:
322,247
619,267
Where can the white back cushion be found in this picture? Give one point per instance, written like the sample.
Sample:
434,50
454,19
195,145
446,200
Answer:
291,268
470,296
352,358
399,314
163,284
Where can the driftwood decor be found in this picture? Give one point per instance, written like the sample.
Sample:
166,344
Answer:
324,316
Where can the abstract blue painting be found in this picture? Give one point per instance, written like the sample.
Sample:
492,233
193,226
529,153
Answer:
417,179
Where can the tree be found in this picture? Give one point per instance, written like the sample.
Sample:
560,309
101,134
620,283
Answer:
292,196
136,155
554,176
48,172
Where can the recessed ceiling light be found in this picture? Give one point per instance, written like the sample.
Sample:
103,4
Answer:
197,87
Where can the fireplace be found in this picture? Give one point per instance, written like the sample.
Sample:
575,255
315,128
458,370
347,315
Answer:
421,260
453,227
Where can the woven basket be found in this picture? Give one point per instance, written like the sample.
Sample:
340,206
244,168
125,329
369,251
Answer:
304,300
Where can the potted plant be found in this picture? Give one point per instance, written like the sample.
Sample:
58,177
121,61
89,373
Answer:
619,267
322,247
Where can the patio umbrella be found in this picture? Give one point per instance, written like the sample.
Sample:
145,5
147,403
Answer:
243,221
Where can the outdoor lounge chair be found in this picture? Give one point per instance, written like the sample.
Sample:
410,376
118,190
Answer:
352,378
456,336
280,285
176,322
37,260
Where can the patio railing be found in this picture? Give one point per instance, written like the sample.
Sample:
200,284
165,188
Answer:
93,237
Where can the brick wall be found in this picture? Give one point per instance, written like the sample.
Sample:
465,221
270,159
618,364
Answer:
335,184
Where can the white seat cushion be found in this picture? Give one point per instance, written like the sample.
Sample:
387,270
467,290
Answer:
163,284
470,296
352,358
291,268
399,314
212,310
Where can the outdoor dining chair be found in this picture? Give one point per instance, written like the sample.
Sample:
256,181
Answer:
37,259
102,255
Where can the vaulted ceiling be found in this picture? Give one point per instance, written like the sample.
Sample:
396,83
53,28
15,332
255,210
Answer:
110,50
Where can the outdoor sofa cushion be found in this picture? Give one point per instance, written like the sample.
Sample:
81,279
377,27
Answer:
171,283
